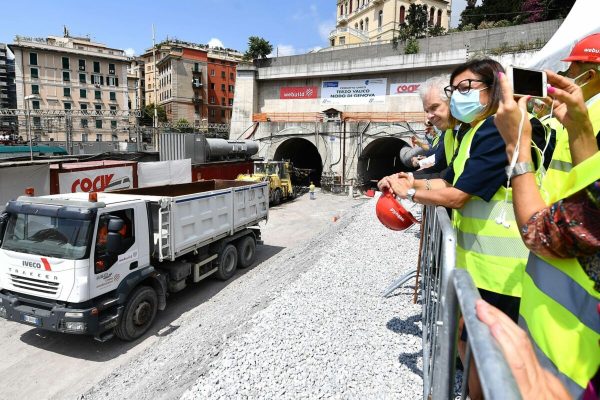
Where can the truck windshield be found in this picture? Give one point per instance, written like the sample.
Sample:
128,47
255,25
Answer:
259,168
48,236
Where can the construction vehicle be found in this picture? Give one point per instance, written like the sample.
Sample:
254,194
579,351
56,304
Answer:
279,176
103,264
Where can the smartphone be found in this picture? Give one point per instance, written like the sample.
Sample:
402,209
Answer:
528,82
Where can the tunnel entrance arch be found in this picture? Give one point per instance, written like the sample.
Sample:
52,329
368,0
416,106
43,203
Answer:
303,154
380,158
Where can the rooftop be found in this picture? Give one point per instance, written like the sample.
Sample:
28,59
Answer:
74,45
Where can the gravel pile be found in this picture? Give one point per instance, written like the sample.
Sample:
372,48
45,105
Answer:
330,334
309,322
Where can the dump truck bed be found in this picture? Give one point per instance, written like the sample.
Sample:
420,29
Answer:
191,215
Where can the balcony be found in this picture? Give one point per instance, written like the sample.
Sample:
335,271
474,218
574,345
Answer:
354,32
342,19
377,2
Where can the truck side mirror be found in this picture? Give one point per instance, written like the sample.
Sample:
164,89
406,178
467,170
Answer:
3,223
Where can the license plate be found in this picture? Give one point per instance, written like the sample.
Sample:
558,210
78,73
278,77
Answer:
30,319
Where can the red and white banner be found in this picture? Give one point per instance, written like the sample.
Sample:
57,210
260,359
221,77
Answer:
299,92
96,180
404,88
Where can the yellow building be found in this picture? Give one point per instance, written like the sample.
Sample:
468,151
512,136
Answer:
364,21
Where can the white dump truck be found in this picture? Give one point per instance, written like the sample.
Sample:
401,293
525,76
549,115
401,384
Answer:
102,264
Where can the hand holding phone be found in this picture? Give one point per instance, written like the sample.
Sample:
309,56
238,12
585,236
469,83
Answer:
528,82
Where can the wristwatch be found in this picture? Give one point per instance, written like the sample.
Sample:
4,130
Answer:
520,169
410,194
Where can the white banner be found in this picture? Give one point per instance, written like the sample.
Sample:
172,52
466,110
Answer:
397,89
352,92
164,172
96,180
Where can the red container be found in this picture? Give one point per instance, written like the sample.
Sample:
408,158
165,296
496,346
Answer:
226,170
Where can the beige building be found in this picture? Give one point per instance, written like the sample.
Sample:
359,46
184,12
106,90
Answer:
135,87
364,21
57,74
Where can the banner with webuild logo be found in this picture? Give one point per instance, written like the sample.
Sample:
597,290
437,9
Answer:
354,92
397,89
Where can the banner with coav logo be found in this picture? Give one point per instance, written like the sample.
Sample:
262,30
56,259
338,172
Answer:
96,180
397,89
354,92
298,92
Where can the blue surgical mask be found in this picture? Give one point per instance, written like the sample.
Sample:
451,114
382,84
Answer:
466,107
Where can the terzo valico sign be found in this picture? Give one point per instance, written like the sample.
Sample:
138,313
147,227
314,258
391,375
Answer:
354,92
397,89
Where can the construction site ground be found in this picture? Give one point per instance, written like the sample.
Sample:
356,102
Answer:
305,321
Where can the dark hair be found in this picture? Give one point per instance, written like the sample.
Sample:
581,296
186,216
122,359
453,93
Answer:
487,70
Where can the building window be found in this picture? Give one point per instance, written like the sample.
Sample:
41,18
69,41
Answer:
82,65
439,18
111,69
231,88
212,113
67,106
342,40
35,105
356,26
97,80
81,78
212,86
37,122
367,24
84,123
98,126
67,92
99,135
65,62
84,136
97,94
212,72
97,67
83,108
112,96
402,14
33,59
223,74
222,87
98,107
230,102
82,93
113,110
66,76
431,15
231,76
222,101
35,89
112,81
34,73
380,19
212,100
362,25
113,124
222,113
196,67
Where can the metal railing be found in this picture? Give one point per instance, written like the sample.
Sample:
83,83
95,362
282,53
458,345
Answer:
446,293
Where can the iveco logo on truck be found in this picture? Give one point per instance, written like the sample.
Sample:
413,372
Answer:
32,264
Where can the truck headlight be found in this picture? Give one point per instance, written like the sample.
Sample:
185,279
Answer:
3,312
75,326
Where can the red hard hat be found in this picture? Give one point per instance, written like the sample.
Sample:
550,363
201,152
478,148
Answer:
586,50
391,213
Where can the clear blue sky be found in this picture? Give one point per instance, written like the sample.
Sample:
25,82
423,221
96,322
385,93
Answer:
294,26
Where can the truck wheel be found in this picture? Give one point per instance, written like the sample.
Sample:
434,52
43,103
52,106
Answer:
227,262
246,249
139,314
277,197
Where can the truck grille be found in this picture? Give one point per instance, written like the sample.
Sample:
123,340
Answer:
36,285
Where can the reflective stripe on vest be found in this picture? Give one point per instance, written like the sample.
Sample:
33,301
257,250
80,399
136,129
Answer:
435,141
561,163
449,145
495,256
558,308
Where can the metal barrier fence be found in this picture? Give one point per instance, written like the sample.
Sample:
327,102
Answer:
446,293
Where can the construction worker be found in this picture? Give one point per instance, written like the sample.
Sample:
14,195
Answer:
560,298
311,190
585,71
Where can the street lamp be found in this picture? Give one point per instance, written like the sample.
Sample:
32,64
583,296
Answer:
27,98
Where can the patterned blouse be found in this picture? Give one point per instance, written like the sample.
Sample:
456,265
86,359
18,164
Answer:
569,228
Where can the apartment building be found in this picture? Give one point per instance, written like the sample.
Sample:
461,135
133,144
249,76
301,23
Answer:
364,21
135,87
8,99
192,82
72,73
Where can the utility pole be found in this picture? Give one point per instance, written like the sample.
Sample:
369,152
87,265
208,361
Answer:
155,120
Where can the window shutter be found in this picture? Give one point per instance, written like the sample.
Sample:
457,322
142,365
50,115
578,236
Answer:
116,81
101,80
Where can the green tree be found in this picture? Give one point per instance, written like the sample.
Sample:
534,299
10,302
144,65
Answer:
258,48
417,20
148,115
183,125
